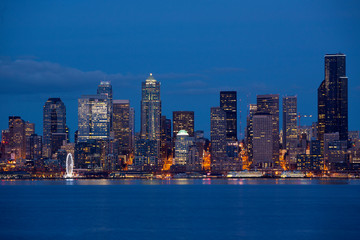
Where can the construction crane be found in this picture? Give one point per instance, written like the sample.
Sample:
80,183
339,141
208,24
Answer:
303,116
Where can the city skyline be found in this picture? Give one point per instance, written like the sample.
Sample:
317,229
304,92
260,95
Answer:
249,47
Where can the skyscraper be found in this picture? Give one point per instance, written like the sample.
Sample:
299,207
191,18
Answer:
17,138
333,98
182,143
183,120
217,136
54,121
93,117
29,130
151,113
263,140
121,125
250,129
228,103
289,122
269,104
105,88
166,143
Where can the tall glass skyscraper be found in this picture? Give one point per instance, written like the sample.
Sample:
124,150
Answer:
150,109
228,103
93,117
105,88
289,122
54,122
333,98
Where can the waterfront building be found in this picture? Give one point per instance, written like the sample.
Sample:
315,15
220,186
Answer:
309,162
228,103
269,104
333,99
54,121
93,117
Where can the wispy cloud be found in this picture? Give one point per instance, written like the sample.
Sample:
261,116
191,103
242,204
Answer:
28,75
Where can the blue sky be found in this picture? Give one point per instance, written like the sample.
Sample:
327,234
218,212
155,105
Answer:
194,48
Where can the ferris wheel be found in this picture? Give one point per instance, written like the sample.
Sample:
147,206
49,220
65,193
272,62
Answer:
69,166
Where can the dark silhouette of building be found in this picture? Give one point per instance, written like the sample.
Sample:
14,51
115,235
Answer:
333,98
228,103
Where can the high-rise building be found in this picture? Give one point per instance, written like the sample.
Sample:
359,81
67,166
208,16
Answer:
166,143
132,128
29,130
250,129
290,131
17,138
217,136
105,88
263,156
93,117
182,143
121,125
150,119
333,98
183,120
269,104
35,142
54,121
228,103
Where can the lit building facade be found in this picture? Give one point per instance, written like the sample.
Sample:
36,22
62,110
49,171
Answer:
54,121
182,143
105,88
17,139
183,120
93,117
150,123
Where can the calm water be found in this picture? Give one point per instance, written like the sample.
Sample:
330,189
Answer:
180,209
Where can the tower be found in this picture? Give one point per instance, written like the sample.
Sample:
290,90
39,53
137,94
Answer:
228,103
54,122
333,98
269,104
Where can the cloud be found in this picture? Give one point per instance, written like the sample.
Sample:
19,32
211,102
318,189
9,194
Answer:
28,76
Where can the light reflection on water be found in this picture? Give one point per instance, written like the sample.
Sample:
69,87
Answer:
184,181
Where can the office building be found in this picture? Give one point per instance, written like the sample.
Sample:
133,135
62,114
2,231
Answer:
122,126
228,103
333,98
269,104
263,138
54,121
183,120
93,118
